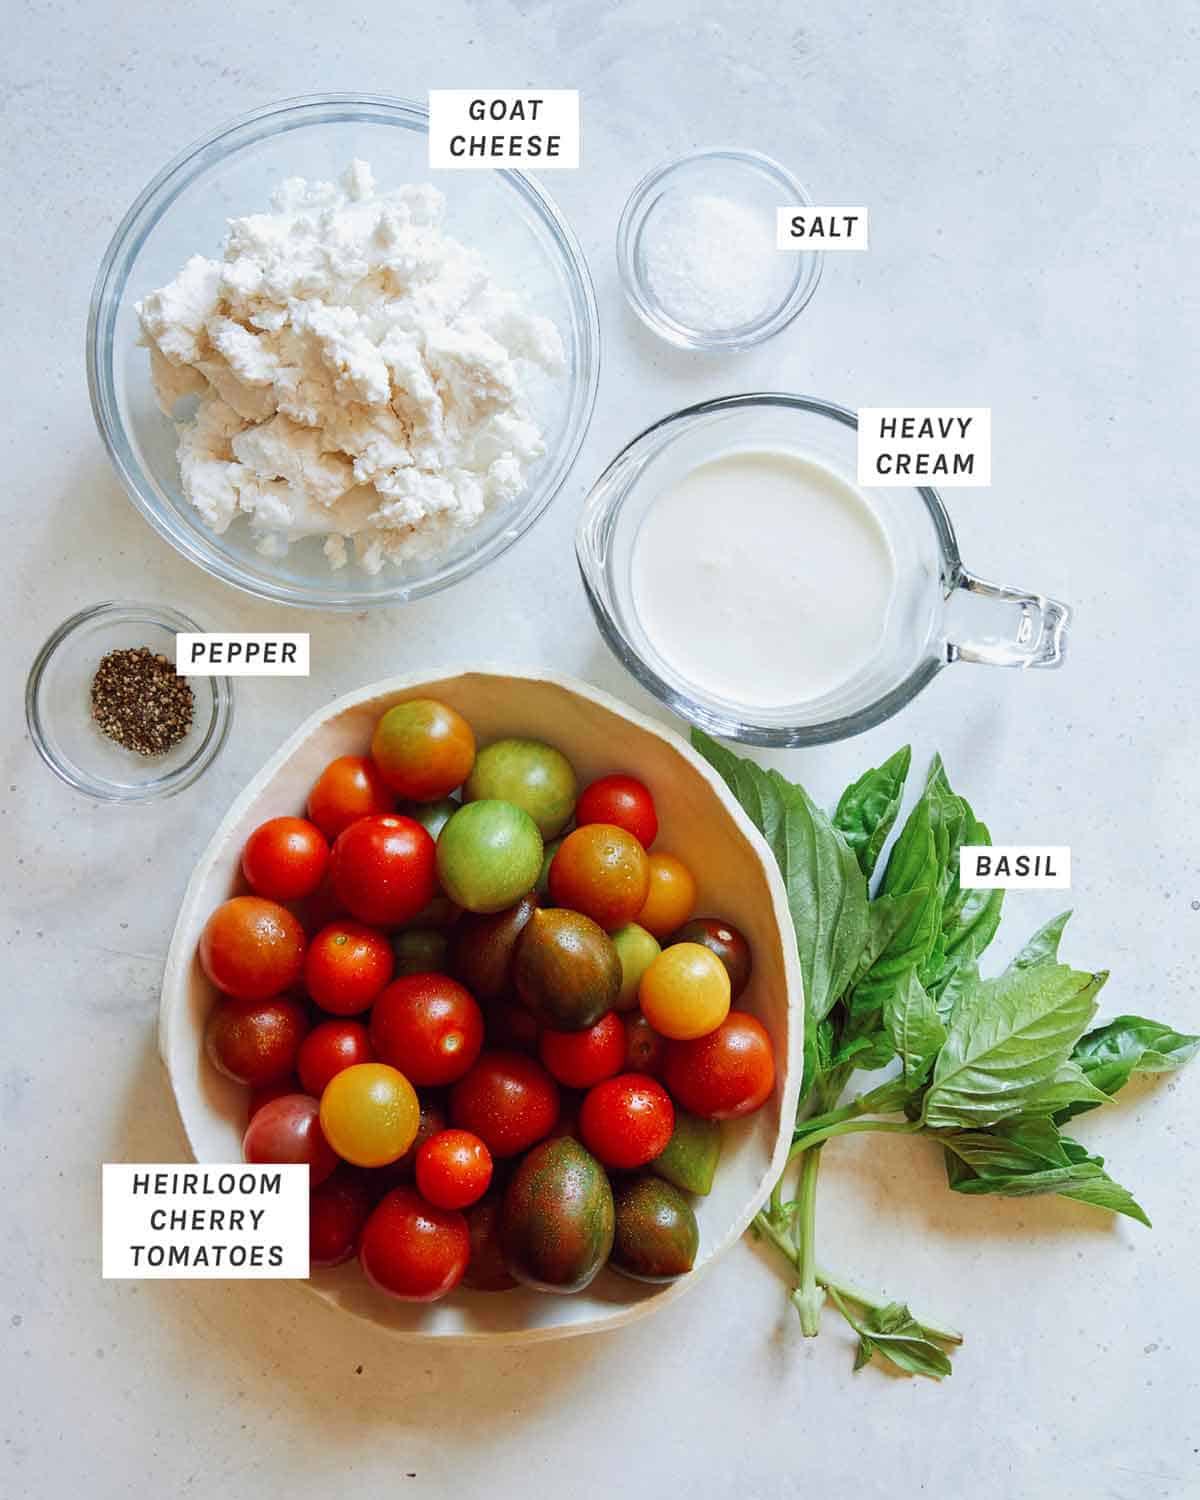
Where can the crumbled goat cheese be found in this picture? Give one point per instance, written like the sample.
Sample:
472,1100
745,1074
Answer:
360,377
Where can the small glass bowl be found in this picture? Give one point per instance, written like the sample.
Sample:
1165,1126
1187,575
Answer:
59,713
750,179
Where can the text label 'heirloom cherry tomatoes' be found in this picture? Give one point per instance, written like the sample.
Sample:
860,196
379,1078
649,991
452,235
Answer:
423,749
508,1100
429,1027
346,967
412,1250
384,870
252,948
287,1132
726,1074
454,1169
602,871
256,1042
285,858
626,1121
622,800
347,789
370,1114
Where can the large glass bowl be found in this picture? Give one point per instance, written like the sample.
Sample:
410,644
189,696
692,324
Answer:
528,246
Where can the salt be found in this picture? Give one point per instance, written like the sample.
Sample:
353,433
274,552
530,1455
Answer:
710,261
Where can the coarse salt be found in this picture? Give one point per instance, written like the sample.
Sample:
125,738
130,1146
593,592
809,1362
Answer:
710,261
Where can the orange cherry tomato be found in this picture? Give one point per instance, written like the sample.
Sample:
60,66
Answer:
602,871
347,966
671,897
252,948
370,1114
685,992
423,749
285,858
347,789
454,1169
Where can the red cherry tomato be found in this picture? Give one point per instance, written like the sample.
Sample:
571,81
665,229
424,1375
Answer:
327,1049
412,1250
580,1059
627,1121
285,859
265,1092
728,1073
347,965
288,1131
252,948
454,1169
384,869
256,1042
508,1100
429,1027
337,1210
644,1048
347,789
622,800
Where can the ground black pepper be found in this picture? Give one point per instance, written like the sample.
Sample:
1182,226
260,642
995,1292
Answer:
139,700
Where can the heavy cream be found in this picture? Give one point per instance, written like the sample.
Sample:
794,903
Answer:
763,577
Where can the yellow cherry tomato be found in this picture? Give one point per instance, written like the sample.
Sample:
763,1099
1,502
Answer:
671,897
685,992
370,1114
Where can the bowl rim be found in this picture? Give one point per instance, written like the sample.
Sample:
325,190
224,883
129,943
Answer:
109,288
172,1020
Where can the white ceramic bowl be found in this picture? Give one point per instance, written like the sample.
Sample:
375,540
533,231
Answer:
700,822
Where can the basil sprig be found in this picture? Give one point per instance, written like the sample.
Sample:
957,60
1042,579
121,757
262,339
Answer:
989,1069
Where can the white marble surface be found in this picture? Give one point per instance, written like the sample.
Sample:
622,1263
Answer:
1030,172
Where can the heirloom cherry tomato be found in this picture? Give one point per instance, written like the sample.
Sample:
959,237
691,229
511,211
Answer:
685,992
454,1169
433,1120
421,950
327,1049
256,1042
347,789
265,1092
429,1027
412,1250
602,871
644,1048
432,816
489,855
423,749
725,941
532,776
285,858
508,1100
671,897
337,1210
626,1121
252,948
288,1132
637,950
384,870
580,1059
622,800
509,1025
370,1114
347,965
728,1073
486,1271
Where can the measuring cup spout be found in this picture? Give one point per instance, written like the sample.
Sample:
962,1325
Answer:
1028,630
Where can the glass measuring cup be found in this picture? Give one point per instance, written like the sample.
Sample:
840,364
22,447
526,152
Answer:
940,613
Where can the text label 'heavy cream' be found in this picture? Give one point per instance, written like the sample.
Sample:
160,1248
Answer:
950,446
176,1220
801,227
1014,867
504,127
240,653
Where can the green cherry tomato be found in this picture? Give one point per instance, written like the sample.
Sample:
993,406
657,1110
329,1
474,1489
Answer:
489,855
530,775
637,950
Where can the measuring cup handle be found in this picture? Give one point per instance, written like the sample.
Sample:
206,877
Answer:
1040,637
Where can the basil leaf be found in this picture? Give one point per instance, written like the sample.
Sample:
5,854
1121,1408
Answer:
946,996
867,810
1007,1038
1042,947
827,891
1112,1053
1068,1092
893,1333
969,918
915,1028
913,856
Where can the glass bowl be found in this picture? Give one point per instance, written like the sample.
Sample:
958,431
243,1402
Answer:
233,171
939,614
748,178
58,706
